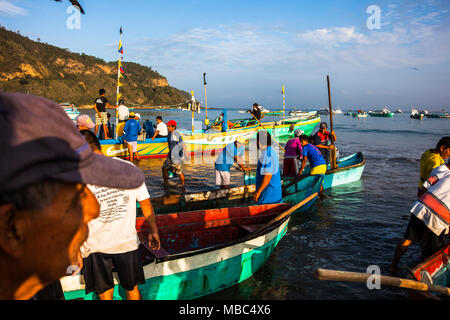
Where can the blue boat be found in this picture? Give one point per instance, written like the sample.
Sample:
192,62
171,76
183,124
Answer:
349,170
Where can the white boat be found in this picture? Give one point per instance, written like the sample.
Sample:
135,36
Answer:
71,110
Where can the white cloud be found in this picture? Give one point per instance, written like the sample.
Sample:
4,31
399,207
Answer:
333,36
8,8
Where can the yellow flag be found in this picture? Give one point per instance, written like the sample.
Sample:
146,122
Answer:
282,90
119,95
118,83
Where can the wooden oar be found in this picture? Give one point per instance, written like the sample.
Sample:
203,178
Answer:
336,275
266,130
333,151
286,213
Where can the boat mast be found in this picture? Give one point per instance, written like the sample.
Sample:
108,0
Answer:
206,99
284,112
119,75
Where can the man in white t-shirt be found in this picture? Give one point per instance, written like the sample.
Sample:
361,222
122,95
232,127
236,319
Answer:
113,240
161,129
123,111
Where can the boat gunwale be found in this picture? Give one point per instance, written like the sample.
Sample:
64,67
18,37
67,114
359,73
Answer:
243,239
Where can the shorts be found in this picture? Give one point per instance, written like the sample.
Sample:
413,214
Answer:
322,169
175,168
222,178
290,167
418,231
102,119
133,144
98,270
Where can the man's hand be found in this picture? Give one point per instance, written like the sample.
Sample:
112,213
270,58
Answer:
80,264
256,196
153,241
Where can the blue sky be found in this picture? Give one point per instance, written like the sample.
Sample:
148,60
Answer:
249,49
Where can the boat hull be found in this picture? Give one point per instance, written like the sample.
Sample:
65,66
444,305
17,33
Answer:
195,143
434,270
201,272
349,170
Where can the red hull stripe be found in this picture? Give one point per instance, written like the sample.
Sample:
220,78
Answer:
436,206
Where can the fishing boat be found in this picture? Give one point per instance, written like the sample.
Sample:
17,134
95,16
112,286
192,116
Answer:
273,113
349,170
71,110
440,115
382,113
418,116
359,114
200,141
202,252
233,197
435,270
325,111
281,128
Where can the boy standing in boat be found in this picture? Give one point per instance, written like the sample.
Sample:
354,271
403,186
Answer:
101,117
268,177
316,161
113,241
232,152
177,152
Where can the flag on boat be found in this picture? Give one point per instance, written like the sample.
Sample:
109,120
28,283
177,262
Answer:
120,47
282,89
118,83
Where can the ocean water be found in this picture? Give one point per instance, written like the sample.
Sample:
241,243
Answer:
354,227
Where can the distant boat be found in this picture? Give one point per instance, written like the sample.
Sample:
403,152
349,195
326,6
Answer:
359,114
71,110
382,113
398,111
326,111
415,114
441,115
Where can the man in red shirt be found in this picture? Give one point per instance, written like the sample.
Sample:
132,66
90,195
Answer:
322,140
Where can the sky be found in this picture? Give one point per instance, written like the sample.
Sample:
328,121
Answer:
377,53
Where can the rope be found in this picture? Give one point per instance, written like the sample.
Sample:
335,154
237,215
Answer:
167,106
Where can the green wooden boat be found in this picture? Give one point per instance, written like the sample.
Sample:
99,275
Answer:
281,128
350,169
232,197
202,252
273,113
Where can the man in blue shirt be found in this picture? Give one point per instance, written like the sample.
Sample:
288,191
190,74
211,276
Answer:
231,153
316,161
130,133
268,178
177,152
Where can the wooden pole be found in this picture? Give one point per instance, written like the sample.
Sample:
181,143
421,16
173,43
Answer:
206,99
336,275
266,129
333,151
287,212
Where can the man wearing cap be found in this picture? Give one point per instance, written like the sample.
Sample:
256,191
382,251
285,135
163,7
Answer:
177,152
45,204
84,122
292,155
233,152
113,241
322,140
131,131
101,117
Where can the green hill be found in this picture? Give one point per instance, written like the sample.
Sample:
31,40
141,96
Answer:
58,74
